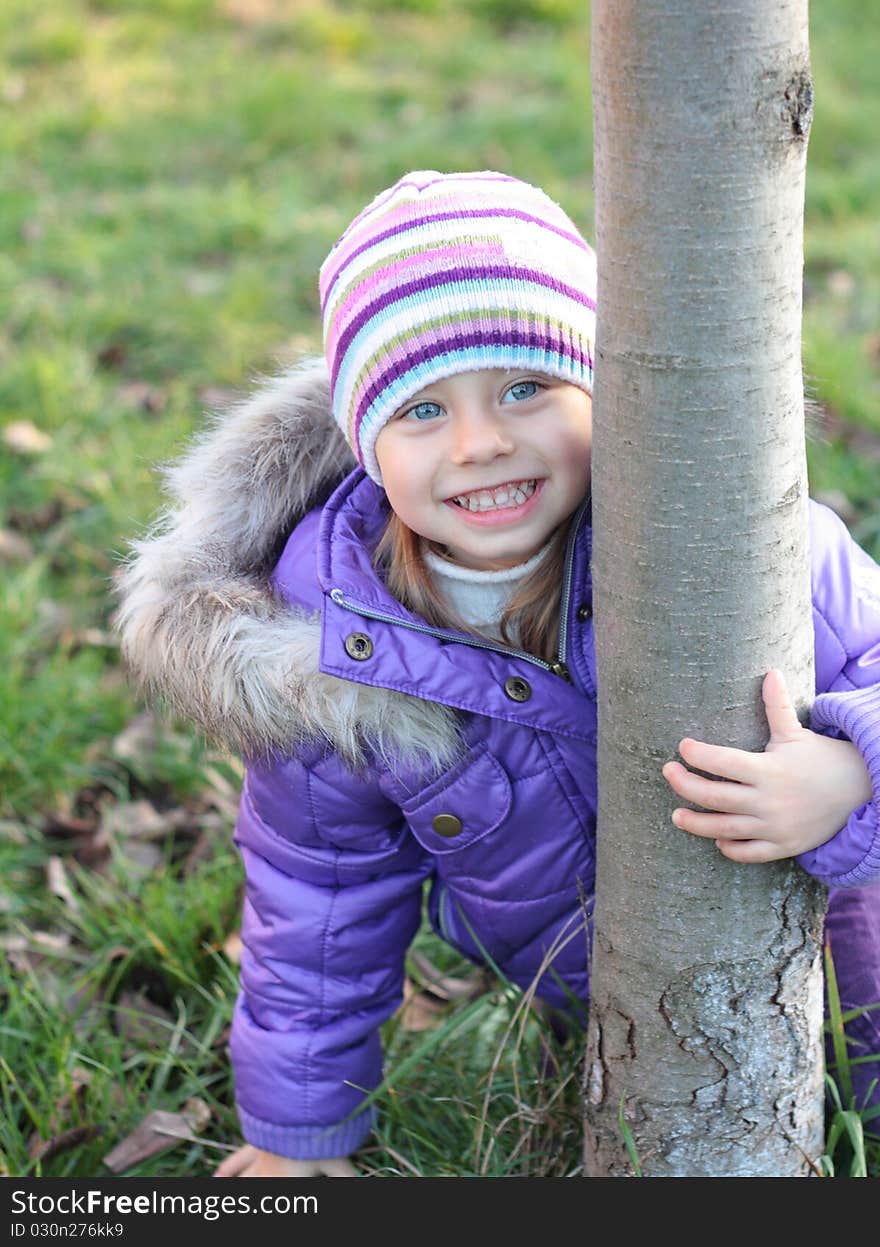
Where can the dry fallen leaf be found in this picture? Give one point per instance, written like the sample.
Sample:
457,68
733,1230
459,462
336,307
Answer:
141,858
420,1010
143,395
24,438
137,738
137,830
14,548
134,820
425,997
447,986
117,953
95,638
841,283
80,1079
62,823
79,1000
132,828
113,355
48,941
42,1149
222,794
59,884
42,973
12,833
38,519
159,1131
202,851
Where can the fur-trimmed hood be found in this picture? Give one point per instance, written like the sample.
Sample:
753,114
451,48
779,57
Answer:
203,628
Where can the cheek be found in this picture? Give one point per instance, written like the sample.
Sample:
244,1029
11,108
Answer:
575,466
405,485
576,446
391,467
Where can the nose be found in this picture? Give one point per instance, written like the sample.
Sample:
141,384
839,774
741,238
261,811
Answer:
479,435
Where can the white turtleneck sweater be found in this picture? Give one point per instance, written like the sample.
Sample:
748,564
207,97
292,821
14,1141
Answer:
479,597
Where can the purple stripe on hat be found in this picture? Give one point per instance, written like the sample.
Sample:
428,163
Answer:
460,215
394,268
445,279
459,342
491,329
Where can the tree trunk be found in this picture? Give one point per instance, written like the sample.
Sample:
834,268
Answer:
707,991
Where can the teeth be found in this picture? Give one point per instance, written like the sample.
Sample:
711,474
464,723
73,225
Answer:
492,499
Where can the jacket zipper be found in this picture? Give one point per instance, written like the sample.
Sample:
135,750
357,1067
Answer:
560,667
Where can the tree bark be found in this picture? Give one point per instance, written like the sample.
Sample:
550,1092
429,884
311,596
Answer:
707,991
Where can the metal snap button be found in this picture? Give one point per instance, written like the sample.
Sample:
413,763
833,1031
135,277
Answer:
517,689
446,825
358,645
584,612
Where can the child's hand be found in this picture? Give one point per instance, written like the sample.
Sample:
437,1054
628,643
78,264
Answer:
792,797
251,1162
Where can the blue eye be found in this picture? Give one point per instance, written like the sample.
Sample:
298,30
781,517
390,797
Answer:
521,390
424,411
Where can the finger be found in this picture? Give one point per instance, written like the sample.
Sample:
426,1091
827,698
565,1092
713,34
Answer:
750,851
781,715
714,794
735,764
233,1165
713,826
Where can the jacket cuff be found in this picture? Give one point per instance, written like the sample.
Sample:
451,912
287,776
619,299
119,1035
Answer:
852,857
308,1142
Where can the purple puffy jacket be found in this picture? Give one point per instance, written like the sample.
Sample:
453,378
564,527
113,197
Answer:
385,753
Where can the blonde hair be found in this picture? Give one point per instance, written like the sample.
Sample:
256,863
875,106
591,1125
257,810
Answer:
530,621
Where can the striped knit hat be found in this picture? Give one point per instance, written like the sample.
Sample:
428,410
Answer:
445,273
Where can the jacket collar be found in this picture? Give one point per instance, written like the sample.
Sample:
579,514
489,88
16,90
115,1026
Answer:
404,652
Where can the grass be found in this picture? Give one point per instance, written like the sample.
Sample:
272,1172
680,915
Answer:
490,1092
166,209
851,1144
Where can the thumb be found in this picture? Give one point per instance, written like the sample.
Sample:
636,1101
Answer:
781,715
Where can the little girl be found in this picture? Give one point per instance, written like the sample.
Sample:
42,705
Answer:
402,651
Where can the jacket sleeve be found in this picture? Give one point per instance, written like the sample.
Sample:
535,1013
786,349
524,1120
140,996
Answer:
332,901
846,618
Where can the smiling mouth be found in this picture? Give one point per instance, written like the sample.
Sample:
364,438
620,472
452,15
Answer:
510,494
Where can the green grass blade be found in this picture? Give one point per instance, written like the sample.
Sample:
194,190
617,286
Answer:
628,1140
838,1035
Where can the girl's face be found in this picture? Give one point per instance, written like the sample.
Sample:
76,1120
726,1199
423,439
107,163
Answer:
488,463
